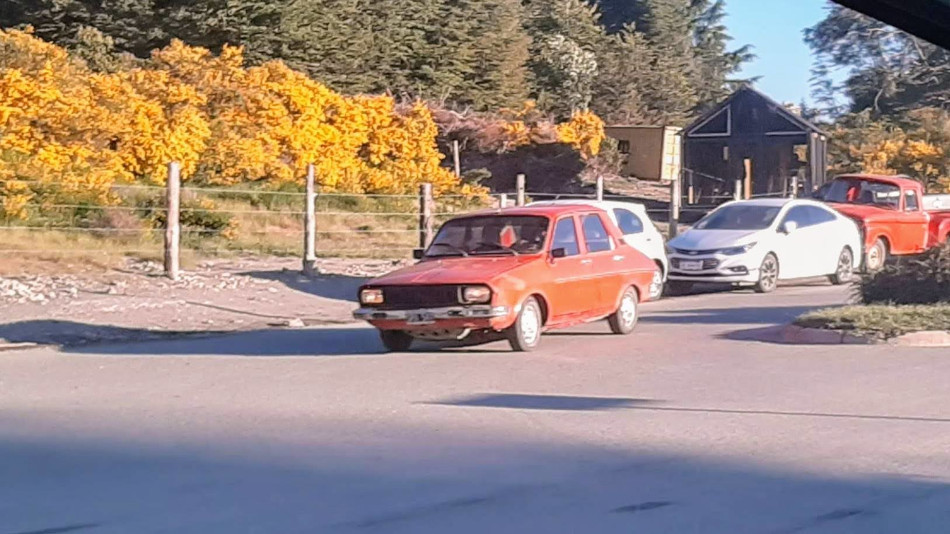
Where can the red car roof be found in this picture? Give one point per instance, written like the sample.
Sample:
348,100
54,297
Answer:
542,211
900,181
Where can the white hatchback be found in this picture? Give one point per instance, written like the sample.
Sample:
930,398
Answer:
759,242
638,232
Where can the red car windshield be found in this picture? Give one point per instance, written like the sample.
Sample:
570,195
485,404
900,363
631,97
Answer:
856,191
493,234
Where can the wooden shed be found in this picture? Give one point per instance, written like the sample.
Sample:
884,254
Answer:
649,152
749,137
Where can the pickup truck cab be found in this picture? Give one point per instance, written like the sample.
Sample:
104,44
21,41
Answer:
891,212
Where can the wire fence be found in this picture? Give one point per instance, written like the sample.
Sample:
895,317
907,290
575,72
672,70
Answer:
221,220
132,219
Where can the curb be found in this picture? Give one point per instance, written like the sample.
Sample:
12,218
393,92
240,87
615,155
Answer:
799,335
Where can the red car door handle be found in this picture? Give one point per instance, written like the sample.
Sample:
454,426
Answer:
586,262
618,258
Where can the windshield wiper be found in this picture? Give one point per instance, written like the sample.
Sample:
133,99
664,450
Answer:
498,248
456,250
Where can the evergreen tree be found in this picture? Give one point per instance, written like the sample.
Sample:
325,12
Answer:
890,71
566,40
716,64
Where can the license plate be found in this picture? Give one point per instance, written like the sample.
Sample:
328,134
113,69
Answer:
691,265
420,318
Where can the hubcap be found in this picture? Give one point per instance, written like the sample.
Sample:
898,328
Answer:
874,258
628,310
656,287
530,325
845,266
769,273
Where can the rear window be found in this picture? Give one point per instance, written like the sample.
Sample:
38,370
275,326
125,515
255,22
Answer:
595,234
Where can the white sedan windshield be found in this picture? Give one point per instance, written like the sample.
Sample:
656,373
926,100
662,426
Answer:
740,217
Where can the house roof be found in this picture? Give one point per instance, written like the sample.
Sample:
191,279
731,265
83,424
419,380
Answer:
746,88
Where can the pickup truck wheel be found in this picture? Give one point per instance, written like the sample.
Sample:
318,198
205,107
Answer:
768,275
876,256
845,270
525,334
395,340
625,318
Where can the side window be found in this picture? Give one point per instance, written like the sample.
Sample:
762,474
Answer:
798,215
910,201
628,222
595,234
565,236
623,147
820,216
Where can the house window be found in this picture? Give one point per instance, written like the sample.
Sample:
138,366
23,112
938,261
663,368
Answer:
623,147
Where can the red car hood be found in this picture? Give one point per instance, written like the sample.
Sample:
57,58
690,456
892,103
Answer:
453,270
865,213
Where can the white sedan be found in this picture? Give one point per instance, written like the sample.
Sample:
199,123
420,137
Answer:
638,232
759,242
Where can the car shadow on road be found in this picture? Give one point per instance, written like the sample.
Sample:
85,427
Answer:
333,287
758,315
84,338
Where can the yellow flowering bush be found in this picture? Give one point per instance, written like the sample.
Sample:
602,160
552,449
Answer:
584,132
69,132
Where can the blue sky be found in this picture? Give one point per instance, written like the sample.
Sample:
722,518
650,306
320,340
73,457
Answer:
774,28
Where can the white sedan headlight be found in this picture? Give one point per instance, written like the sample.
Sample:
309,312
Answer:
371,296
476,294
735,251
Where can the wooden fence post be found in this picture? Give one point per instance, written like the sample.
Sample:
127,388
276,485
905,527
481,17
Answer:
519,186
172,220
310,224
676,199
503,200
426,227
747,165
600,188
456,157
692,192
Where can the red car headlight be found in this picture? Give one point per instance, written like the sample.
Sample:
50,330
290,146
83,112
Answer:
475,295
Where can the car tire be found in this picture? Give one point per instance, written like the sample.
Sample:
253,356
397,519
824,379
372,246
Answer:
395,340
525,334
624,320
768,274
876,256
657,285
844,272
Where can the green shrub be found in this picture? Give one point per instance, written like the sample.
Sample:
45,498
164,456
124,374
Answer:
921,279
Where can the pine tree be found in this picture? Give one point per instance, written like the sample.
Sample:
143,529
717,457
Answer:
716,64
566,38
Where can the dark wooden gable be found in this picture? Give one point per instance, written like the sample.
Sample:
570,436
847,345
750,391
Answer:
750,141
748,113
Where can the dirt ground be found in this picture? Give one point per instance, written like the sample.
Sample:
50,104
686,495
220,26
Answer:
74,305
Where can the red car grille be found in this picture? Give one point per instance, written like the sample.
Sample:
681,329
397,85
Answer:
412,297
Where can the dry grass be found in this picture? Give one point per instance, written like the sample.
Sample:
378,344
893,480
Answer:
880,320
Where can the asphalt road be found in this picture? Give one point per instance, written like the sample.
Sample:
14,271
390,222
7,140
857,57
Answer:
691,425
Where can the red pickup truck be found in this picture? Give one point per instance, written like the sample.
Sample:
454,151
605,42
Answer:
892,212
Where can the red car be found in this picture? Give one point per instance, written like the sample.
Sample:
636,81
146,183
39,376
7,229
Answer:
512,273
890,212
